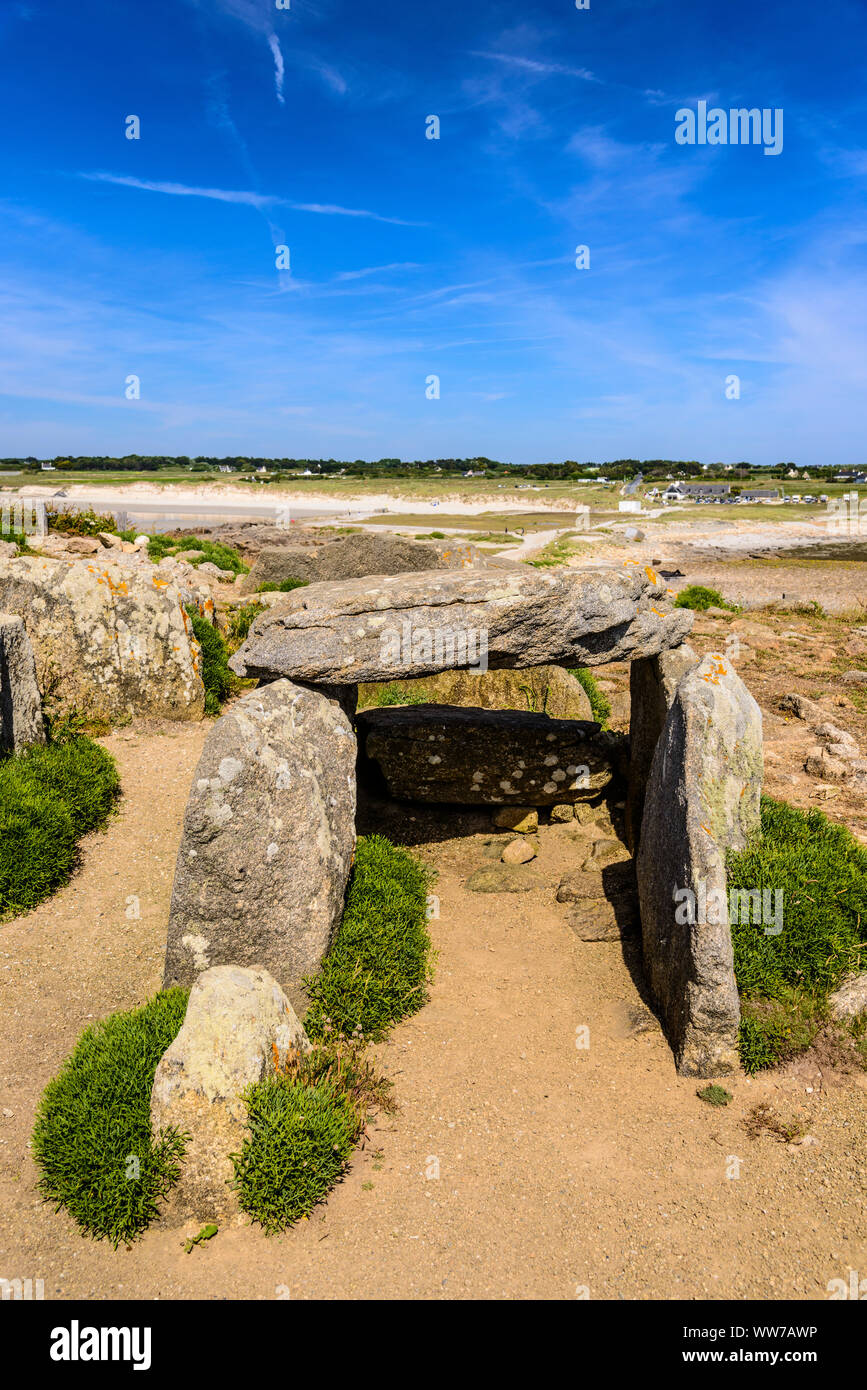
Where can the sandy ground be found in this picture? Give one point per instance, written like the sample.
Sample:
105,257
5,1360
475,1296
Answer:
560,1167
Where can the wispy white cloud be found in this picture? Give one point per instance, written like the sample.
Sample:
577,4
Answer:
376,270
537,67
279,69
244,196
330,76
182,190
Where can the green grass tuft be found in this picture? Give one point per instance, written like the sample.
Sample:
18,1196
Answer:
241,620
50,796
377,969
600,706
301,1135
225,557
700,598
93,1140
397,694
84,523
715,1095
284,586
217,677
784,979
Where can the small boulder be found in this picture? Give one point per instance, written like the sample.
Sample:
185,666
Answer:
238,1028
83,545
518,852
520,818
598,919
849,1000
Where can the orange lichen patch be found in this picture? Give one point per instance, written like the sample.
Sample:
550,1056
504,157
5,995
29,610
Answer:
658,612
706,828
159,583
718,669
651,574
103,577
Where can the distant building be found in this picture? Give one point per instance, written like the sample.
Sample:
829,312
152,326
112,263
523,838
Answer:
686,491
761,494
47,467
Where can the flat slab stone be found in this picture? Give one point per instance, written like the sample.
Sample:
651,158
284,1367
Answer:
385,628
354,556
450,754
702,799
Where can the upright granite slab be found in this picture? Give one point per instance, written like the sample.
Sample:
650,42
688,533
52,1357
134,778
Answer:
702,799
268,840
394,627
107,639
21,721
652,683
449,754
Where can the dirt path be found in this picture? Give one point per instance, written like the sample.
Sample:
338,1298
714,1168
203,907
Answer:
560,1167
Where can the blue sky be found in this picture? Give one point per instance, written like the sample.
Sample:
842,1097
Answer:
412,257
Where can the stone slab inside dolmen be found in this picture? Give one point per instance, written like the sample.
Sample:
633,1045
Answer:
269,831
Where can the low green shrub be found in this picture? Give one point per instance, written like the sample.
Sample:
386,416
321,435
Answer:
301,1135
93,1141
50,796
600,706
715,1095
83,523
225,557
784,978
396,694
377,969
285,586
700,598
241,620
217,676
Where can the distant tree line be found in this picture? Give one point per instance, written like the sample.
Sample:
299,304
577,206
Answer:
616,470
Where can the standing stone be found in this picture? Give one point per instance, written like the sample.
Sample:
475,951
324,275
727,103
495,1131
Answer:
238,1028
21,721
652,683
702,799
268,840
